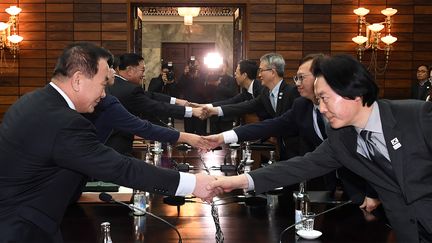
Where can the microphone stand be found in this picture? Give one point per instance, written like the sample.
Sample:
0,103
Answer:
105,197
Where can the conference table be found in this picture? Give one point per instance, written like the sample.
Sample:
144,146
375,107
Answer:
243,217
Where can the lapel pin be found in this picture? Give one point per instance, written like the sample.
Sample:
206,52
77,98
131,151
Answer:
396,144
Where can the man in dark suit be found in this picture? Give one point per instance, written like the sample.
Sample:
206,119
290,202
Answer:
245,76
110,114
191,86
165,82
303,120
420,89
146,105
220,86
376,139
47,148
276,98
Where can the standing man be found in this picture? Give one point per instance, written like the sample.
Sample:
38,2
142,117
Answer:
420,89
276,98
47,148
191,86
147,105
245,76
221,86
303,119
376,139
165,82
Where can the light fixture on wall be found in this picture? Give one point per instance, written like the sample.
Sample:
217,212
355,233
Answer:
9,39
188,14
372,40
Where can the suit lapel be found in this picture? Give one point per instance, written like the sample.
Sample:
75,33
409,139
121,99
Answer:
267,103
393,139
280,98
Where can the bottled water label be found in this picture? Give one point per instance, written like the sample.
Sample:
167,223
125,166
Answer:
140,202
298,218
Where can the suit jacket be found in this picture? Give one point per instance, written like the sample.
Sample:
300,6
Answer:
420,92
157,85
147,105
286,97
109,114
46,150
407,123
298,121
287,94
243,96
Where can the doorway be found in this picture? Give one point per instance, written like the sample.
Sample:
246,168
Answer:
180,53
161,27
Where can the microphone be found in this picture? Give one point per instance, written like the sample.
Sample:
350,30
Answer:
166,125
105,197
316,215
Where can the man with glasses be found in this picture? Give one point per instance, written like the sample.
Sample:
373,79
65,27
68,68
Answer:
276,98
304,120
127,88
420,89
245,76
387,142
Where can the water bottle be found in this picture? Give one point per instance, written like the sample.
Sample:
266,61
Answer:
301,204
105,236
272,157
139,201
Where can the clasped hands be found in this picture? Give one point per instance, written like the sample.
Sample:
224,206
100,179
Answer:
208,186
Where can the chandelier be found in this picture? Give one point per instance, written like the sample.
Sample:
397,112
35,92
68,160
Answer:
372,40
9,39
188,14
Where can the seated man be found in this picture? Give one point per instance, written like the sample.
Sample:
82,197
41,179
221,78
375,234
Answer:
47,148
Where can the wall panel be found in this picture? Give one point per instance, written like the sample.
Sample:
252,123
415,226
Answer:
293,28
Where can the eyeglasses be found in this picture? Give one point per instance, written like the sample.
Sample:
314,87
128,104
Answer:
298,79
260,70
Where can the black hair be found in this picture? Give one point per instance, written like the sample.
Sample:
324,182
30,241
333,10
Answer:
129,59
81,56
249,67
309,57
347,77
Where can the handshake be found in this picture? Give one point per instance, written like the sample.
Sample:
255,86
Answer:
208,186
201,111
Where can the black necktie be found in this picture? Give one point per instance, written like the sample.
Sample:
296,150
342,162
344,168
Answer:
320,123
375,155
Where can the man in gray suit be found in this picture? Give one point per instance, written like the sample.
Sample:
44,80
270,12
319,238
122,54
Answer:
386,142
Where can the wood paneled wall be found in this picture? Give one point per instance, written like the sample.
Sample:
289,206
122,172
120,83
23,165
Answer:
293,28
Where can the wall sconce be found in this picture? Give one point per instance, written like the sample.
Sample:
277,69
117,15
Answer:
372,39
9,39
188,14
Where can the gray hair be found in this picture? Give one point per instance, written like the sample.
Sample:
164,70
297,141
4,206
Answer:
275,61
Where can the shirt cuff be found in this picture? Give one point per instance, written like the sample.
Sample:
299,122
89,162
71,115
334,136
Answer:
220,111
186,185
209,105
173,100
251,185
230,136
188,111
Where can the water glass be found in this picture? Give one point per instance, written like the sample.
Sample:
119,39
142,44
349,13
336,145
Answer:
308,223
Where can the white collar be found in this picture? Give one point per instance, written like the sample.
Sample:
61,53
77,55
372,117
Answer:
63,94
250,88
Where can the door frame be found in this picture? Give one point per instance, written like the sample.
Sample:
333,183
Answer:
133,4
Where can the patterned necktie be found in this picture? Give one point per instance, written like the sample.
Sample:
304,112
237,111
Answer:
320,123
375,155
273,101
